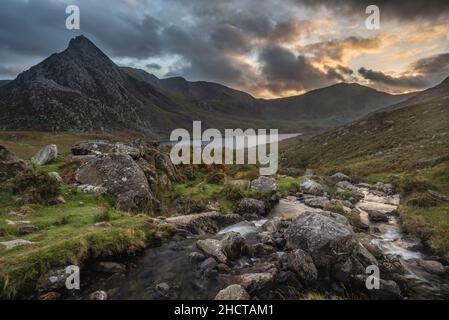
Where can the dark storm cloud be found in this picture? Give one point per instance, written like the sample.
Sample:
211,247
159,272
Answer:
401,82
284,70
204,61
391,9
341,73
336,49
230,38
424,73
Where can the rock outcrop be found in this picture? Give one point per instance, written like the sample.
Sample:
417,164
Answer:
133,174
120,176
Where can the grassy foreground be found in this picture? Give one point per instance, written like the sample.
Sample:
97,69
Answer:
67,235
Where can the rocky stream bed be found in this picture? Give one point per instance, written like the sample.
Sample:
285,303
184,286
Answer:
296,248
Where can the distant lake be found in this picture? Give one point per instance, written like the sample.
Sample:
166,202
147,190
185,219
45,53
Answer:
252,139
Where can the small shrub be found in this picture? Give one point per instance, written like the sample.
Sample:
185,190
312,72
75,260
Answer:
232,193
34,186
422,200
102,215
189,205
409,184
62,221
215,178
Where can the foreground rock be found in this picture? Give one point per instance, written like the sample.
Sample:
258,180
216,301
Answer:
46,155
233,245
120,176
264,185
377,216
10,165
330,241
250,207
312,187
233,292
253,282
213,248
316,202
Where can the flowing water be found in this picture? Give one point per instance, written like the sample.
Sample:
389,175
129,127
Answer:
166,272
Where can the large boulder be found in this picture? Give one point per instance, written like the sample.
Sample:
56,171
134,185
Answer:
120,176
312,187
264,185
326,236
10,165
46,155
248,206
233,292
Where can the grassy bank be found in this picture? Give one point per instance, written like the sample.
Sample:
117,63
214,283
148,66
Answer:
67,235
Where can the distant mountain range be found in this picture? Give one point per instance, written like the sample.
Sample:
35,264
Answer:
81,89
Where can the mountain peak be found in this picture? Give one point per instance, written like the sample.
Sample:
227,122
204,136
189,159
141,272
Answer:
80,40
82,44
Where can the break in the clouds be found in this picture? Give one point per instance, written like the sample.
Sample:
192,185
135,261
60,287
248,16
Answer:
269,48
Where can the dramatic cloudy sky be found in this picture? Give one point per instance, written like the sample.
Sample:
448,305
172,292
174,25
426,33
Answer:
269,48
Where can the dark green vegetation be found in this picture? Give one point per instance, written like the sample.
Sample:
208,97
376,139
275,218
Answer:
407,145
82,90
